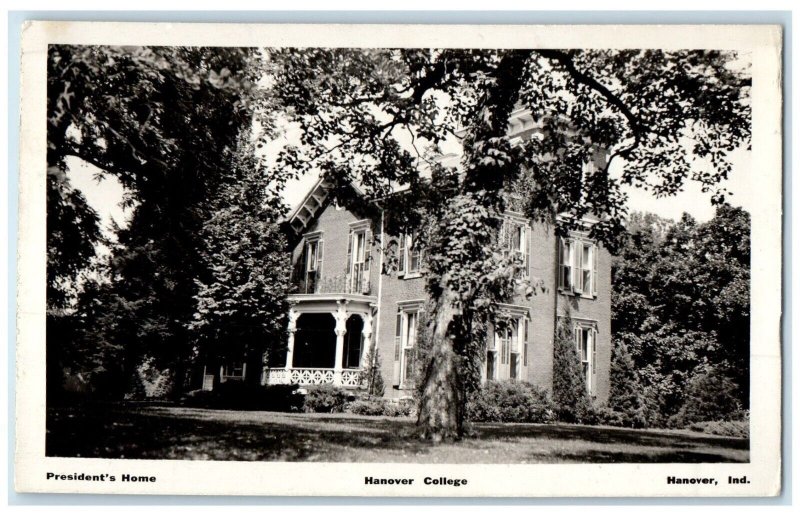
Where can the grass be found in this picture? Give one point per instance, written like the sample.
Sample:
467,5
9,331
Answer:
166,432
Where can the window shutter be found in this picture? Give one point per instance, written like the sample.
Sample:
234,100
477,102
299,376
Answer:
367,246
594,269
561,244
527,250
300,266
525,345
401,255
319,258
397,337
594,361
349,253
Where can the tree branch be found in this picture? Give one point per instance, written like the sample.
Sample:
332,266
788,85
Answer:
566,61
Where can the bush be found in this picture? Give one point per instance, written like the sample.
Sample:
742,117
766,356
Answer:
244,396
150,382
711,396
626,404
381,407
723,428
326,398
510,402
367,407
400,408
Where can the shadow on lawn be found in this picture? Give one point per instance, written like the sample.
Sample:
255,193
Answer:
119,431
151,432
610,435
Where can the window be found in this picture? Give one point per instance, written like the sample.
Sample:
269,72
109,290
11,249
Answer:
233,370
585,342
577,267
504,338
526,324
507,352
405,344
491,359
514,238
358,260
584,267
409,255
311,264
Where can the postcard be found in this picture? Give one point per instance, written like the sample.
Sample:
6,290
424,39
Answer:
400,260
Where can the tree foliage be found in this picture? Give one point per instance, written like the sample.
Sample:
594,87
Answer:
240,305
570,395
625,397
165,121
681,305
375,116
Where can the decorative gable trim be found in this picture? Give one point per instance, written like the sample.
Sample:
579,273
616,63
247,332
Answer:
306,210
314,200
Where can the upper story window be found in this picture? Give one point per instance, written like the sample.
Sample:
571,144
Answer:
311,263
409,254
515,239
358,259
577,262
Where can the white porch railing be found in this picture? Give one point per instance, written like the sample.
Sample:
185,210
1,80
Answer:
312,376
351,377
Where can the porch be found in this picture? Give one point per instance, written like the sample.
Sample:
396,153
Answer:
329,338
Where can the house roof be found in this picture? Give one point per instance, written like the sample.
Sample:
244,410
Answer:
311,204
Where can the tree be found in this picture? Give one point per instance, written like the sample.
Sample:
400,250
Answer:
569,384
712,397
241,307
681,304
364,115
165,121
373,379
625,396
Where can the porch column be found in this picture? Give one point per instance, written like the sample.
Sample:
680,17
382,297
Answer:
341,329
293,315
367,334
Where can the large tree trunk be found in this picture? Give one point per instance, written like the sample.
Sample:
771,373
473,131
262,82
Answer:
441,407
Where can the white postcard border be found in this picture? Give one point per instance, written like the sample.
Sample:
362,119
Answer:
347,479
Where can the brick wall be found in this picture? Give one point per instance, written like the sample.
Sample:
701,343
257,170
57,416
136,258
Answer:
334,224
544,305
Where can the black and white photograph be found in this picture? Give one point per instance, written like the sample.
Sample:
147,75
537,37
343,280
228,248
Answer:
403,255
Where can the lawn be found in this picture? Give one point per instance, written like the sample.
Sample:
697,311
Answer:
168,432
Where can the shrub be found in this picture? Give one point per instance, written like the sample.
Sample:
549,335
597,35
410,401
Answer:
326,398
372,376
381,407
569,386
401,408
150,382
510,402
367,407
723,428
711,396
626,403
244,396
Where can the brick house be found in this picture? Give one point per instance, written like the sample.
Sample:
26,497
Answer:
345,302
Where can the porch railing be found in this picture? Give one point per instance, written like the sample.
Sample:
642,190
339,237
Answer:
312,376
356,283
